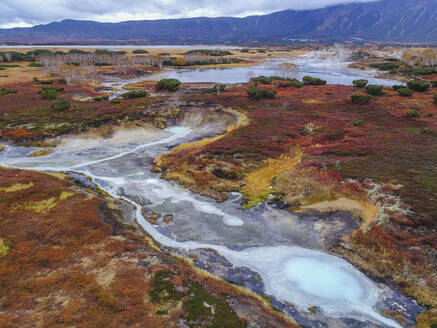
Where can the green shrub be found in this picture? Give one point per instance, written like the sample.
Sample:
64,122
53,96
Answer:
413,114
134,94
61,105
384,66
9,65
209,52
44,82
48,94
38,52
100,98
289,83
360,83
220,87
140,51
396,87
255,93
424,71
55,88
7,91
418,85
35,65
360,99
77,51
405,92
313,80
389,59
168,84
265,79
433,83
435,98
116,101
358,123
245,50
63,81
374,90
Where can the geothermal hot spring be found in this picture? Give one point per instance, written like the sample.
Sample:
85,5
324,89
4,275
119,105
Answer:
284,249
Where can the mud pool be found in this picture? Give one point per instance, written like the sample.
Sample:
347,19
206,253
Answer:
287,251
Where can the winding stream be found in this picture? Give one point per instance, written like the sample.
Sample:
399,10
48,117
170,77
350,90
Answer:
287,250
300,275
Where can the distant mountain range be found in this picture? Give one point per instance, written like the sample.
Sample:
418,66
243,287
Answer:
408,21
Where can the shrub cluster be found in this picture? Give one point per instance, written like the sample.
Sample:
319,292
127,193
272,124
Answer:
360,83
289,83
55,88
134,94
140,51
265,79
61,105
48,94
77,52
38,81
435,98
109,52
405,92
418,85
374,90
7,91
360,99
101,98
255,93
209,52
418,71
168,84
313,80
396,87
384,66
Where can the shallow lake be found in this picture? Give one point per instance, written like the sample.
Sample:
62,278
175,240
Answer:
333,69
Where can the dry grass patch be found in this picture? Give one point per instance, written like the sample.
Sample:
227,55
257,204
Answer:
259,181
17,187
42,152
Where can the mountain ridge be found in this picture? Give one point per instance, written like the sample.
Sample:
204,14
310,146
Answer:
412,21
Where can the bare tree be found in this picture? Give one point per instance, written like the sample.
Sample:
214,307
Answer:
287,71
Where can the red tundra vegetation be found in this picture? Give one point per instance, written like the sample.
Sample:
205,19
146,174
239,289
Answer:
67,258
319,151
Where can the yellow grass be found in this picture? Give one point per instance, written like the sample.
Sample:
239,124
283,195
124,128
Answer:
4,248
42,152
366,211
2,148
61,176
259,181
65,194
17,187
42,206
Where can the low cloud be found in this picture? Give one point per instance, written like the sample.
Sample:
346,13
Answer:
31,12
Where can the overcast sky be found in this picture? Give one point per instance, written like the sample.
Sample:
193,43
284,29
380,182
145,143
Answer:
31,12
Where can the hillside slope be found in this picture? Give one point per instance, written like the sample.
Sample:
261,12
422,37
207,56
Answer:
385,20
